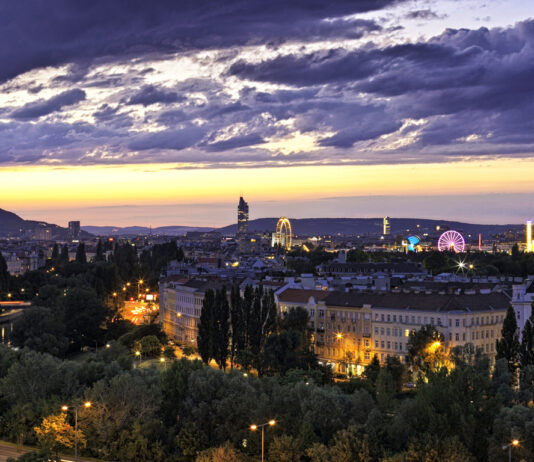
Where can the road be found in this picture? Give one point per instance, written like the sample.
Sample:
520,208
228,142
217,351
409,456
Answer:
7,451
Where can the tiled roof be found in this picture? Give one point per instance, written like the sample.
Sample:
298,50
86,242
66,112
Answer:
301,295
422,302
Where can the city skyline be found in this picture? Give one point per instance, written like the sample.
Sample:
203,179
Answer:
400,99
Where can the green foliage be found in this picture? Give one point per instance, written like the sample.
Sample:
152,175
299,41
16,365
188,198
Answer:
81,258
4,275
425,350
150,346
41,329
508,346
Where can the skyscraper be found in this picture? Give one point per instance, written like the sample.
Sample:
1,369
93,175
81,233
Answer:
74,229
386,226
242,217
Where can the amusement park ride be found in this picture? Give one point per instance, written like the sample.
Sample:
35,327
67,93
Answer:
284,233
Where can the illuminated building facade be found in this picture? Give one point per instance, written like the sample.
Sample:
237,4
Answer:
349,328
180,307
386,227
242,217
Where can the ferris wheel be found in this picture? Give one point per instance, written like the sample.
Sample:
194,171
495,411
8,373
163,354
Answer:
451,240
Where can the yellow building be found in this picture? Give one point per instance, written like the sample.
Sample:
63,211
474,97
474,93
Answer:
349,328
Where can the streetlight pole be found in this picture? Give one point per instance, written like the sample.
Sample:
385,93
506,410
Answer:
262,426
65,408
509,446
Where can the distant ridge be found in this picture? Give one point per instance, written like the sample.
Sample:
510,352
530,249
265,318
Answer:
363,226
142,230
11,225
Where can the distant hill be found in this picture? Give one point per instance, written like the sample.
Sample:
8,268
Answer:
363,226
11,225
142,230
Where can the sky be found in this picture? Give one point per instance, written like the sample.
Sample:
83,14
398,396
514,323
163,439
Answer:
164,113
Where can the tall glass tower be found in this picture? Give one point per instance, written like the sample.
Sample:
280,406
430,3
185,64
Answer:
242,217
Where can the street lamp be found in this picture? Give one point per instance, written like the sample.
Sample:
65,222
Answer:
65,408
509,446
254,427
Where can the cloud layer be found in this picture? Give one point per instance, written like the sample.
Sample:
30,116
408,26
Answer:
248,83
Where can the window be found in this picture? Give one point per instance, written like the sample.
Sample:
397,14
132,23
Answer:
400,346
518,315
463,336
396,346
381,331
376,343
312,313
432,321
366,342
394,318
400,318
382,317
366,356
457,322
406,332
418,319
389,345
367,316
321,313
413,319
382,344
376,317
450,336
376,330
457,337
388,331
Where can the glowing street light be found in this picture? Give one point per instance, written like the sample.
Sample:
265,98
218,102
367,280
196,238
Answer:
509,446
254,427
65,408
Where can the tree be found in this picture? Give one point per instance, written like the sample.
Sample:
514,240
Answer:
206,327
285,448
237,323
80,254
221,326
55,254
224,453
508,346
99,256
40,329
526,352
4,275
56,433
84,316
426,352
372,370
150,346
64,256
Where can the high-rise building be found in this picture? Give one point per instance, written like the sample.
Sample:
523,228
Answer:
529,236
386,227
242,217
74,229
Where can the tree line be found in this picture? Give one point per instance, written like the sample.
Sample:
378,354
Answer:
245,330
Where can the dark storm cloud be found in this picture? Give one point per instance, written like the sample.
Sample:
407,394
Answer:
37,34
423,14
468,82
150,94
40,108
236,142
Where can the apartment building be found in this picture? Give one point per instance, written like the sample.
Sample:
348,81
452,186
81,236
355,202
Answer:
180,307
349,328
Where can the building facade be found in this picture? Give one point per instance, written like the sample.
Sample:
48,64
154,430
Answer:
242,217
349,328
